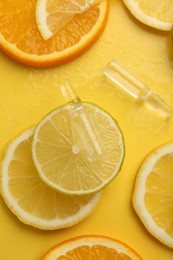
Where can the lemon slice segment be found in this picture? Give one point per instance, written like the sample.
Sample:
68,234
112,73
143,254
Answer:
153,193
155,13
53,15
30,199
60,158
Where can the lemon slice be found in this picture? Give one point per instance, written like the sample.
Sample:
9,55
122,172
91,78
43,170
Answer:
153,193
60,158
155,13
92,247
53,15
30,199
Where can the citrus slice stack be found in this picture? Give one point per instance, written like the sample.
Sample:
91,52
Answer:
155,13
51,144
92,247
30,199
153,193
71,172
21,39
52,16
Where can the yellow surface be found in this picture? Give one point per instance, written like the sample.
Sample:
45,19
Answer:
27,94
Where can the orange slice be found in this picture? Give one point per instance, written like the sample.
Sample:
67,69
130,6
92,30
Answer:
20,37
92,247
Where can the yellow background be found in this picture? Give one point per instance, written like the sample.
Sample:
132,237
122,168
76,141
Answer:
27,94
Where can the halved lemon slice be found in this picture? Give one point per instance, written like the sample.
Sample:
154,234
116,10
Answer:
59,154
53,15
30,199
153,193
92,247
155,13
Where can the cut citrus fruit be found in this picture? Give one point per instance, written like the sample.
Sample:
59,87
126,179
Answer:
30,199
155,13
153,193
60,158
20,37
92,247
53,15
